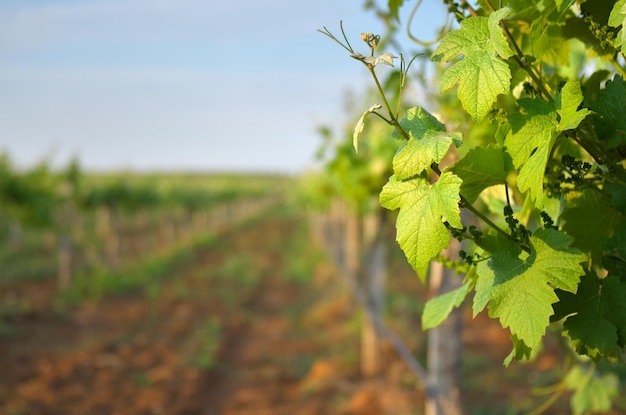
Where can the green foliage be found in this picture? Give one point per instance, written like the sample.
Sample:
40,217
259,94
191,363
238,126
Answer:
610,105
529,143
428,143
482,73
595,316
541,171
439,308
558,154
482,167
593,392
514,280
28,197
424,208
617,19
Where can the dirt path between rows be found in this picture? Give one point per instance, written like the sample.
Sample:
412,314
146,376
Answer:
253,324
153,354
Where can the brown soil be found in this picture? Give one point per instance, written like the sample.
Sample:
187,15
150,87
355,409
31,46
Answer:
252,340
138,354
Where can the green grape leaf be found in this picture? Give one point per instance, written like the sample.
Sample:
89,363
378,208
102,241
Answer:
567,103
512,281
419,153
439,308
593,392
482,75
480,168
614,256
360,125
596,316
502,247
496,34
548,43
617,18
590,219
520,351
529,143
617,190
418,121
563,5
611,105
428,142
423,210
481,78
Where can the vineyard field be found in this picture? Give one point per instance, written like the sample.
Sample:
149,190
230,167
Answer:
249,317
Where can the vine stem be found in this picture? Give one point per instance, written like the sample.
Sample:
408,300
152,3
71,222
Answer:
392,117
467,205
393,121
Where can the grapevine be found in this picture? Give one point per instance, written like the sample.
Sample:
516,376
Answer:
546,86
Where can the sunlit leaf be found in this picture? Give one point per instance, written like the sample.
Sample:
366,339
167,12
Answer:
360,125
423,210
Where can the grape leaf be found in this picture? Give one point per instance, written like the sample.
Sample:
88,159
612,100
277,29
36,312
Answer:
385,58
480,168
428,142
614,256
590,219
496,34
597,316
481,73
563,5
439,308
611,105
423,210
567,103
593,392
511,283
548,43
419,153
520,351
360,125
418,121
617,18
529,143
502,247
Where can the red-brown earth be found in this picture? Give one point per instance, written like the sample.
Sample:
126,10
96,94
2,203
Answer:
246,326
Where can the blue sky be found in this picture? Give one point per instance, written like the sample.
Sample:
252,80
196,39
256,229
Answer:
174,85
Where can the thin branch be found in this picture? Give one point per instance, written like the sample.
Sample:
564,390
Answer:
327,32
467,205
445,29
344,35
382,94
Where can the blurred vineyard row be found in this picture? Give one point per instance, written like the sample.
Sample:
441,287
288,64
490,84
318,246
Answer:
92,233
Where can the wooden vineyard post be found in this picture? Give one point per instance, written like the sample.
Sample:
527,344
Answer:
374,292
352,251
64,261
109,232
444,351
140,232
